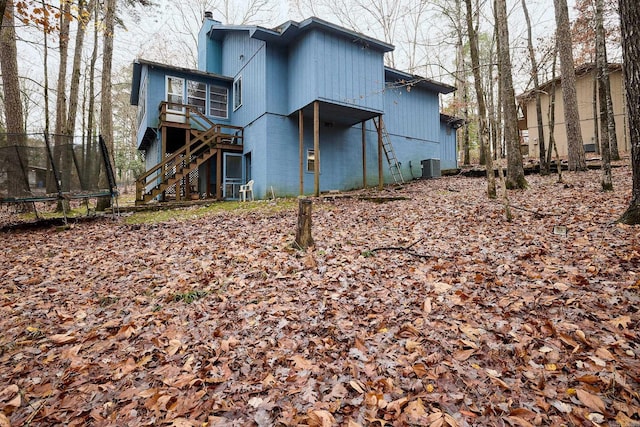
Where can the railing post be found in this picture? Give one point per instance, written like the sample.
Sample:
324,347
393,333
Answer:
139,186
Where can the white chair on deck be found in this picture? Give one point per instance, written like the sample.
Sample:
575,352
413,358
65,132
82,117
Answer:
246,190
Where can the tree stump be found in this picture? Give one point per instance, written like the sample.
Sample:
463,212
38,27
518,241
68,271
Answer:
303,230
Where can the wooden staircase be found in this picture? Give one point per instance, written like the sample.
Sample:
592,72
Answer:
205,140
389,152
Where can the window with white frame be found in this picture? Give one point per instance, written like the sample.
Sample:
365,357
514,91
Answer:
218,101
311,160
237,93
175,93
197,95
142,101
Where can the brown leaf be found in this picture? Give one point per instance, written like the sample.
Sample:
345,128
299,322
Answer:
61,339
462,355
621,321
320,418
415,410
591,401
625,421
519,421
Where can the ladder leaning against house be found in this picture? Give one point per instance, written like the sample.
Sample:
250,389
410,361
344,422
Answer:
205,139
389,152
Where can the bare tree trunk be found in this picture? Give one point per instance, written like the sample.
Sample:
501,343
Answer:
483,130
596,112
90,169
515,169
613,136
106,115
630,19
14,116
544,166
61,98
3,8
575,145
603,82
461,104
74,91
491,110
552,117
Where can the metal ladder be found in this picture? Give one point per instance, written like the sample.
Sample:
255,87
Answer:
389,152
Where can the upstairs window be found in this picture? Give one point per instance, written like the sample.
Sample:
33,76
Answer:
237,93
175,93
218,101
197,95
142,102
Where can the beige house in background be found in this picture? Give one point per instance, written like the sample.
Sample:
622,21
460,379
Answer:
585,77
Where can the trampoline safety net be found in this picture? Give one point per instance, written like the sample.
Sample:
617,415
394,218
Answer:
36,167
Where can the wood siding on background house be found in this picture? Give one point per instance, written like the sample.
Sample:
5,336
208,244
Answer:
584,88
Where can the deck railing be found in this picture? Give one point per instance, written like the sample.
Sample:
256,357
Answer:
205,134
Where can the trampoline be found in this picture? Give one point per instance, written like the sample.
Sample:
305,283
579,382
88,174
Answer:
38,168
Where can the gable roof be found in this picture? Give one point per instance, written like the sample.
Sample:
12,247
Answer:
137,75
290,31
580,71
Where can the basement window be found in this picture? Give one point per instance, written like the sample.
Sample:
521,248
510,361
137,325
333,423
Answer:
311,160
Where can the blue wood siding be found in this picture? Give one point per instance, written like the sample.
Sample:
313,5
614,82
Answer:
156,93
246,58
414,113
277,80
209,50
448,147
325,67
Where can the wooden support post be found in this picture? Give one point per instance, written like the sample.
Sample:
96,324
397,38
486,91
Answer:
163,155
380,173
303,230
364,154
187,160
301,148
208,181
316,148
218,174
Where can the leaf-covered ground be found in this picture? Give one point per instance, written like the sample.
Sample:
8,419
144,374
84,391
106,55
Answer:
218,321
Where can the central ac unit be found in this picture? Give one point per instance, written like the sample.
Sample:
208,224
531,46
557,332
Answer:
430,168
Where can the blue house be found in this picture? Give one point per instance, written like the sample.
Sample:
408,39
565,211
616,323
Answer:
303,108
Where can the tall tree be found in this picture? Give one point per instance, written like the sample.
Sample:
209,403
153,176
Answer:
515,170
575,146
106,112
483,129
544,166
62,151
603,83
461,82
90,168
84,16
14,116
583,31
630,21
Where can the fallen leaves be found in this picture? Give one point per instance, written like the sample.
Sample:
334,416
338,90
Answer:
218,321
